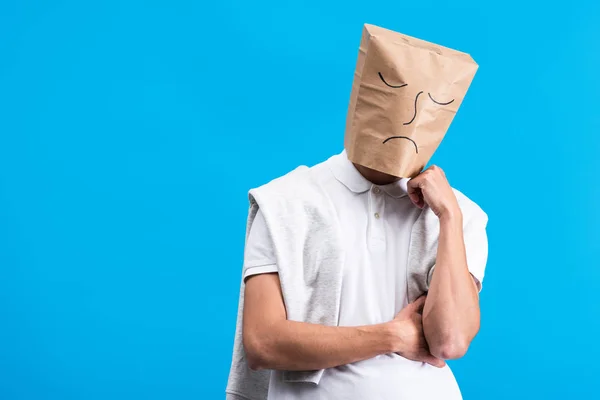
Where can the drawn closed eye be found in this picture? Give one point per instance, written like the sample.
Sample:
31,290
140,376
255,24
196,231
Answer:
392,86
438,102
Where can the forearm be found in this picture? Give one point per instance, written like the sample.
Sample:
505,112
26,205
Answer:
290,345
451,312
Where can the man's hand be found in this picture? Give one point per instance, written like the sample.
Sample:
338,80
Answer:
408,327
432,188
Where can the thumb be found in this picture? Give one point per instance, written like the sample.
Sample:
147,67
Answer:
418,304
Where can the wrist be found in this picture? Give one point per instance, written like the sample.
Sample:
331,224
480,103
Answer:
451,215
391,339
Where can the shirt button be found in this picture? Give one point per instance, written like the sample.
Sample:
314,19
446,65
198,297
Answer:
377,215
376,190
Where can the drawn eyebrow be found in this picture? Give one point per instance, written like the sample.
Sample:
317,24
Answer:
403,137
392,86
437,102
414,116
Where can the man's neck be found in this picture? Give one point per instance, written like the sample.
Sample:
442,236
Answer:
376,177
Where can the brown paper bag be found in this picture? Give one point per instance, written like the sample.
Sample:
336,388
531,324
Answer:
404,96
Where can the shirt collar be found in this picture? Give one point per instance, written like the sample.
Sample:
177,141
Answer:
345,172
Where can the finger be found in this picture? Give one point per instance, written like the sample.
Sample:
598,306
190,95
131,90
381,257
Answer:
414,184
417,199
415,194
414,191
436,362
418,304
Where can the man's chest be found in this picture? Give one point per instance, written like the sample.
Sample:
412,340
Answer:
376,236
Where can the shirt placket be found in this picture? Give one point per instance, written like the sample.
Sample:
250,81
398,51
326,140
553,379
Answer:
376,218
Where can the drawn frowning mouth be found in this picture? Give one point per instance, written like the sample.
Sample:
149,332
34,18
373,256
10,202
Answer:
403,137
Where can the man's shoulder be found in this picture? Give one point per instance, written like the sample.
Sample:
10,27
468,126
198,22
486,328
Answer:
299,182
471,210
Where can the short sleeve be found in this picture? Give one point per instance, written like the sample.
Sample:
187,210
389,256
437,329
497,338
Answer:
259,256
476,247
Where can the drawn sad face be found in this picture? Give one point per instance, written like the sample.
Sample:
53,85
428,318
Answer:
404,99
415,111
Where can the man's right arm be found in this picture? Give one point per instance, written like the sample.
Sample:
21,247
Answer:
273,342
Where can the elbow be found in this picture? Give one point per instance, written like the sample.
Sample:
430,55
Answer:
254,363
450,342
255,350
450,349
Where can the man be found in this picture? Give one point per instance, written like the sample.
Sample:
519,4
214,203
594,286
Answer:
381,345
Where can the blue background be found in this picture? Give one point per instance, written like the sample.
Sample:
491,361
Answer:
131,131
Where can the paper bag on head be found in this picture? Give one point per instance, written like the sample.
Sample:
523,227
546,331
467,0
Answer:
404,96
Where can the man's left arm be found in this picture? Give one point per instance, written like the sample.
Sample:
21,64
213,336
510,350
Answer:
451,313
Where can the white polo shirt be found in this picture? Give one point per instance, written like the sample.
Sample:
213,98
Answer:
376,225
